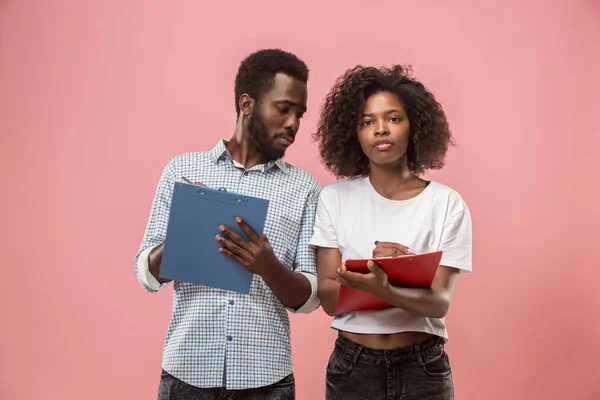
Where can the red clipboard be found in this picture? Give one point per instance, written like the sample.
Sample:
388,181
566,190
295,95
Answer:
416,271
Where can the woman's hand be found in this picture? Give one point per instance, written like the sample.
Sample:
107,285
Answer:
375,282
390,249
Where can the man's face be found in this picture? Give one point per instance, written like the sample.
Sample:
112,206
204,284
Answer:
275,120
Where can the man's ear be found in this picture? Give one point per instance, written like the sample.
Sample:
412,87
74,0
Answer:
246,104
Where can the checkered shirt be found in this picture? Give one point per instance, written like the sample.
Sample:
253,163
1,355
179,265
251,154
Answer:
218,338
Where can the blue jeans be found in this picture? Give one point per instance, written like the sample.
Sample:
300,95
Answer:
419,372
172,388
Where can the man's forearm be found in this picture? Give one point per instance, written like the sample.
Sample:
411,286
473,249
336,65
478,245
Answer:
155,261
291,288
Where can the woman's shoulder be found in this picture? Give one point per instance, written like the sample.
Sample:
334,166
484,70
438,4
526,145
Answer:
344,185
447,194
342,189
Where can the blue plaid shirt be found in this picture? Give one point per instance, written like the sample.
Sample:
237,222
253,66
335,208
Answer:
218,338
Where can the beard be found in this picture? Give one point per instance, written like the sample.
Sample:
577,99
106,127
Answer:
259,138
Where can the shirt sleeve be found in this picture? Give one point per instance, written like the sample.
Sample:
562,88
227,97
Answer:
156,228
305,262
144,275
324,234
456,242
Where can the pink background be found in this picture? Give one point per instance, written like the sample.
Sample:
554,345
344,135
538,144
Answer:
95,98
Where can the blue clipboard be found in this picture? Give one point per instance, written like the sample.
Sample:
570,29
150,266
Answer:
191,253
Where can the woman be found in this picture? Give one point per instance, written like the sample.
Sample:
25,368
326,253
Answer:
381,129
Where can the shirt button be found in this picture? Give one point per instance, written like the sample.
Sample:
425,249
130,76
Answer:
229,338
245,173
231,302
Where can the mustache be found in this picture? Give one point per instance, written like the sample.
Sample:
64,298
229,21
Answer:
290,135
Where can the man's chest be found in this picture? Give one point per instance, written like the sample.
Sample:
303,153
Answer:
287,200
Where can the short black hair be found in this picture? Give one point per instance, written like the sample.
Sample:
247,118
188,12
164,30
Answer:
337,131
256,73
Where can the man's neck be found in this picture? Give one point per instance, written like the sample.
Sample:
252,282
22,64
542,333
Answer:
243,152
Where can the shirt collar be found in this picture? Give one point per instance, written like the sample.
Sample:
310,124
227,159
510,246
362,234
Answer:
220,152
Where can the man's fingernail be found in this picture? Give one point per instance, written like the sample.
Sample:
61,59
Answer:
222,228
410,250
238,219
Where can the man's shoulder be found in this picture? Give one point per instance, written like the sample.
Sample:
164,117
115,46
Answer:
186,160
190,157
301,177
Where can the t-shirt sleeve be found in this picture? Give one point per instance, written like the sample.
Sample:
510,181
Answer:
324,234
456,241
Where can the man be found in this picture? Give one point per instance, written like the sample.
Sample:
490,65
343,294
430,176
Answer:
222,344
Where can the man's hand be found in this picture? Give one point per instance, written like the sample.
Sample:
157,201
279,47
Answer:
186,180
376,282
155,262
390,249
256,255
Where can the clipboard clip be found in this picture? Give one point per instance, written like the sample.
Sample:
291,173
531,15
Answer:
186,180
229,199
237,199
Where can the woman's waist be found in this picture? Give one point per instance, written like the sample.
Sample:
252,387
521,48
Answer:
387,341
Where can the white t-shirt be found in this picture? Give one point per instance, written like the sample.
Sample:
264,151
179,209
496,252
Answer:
351,216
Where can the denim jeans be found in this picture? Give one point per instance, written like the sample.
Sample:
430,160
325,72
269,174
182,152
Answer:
419,372
172,388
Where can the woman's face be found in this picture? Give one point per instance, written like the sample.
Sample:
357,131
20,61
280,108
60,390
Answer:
384,129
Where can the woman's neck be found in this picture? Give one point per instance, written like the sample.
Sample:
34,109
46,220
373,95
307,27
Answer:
395,182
